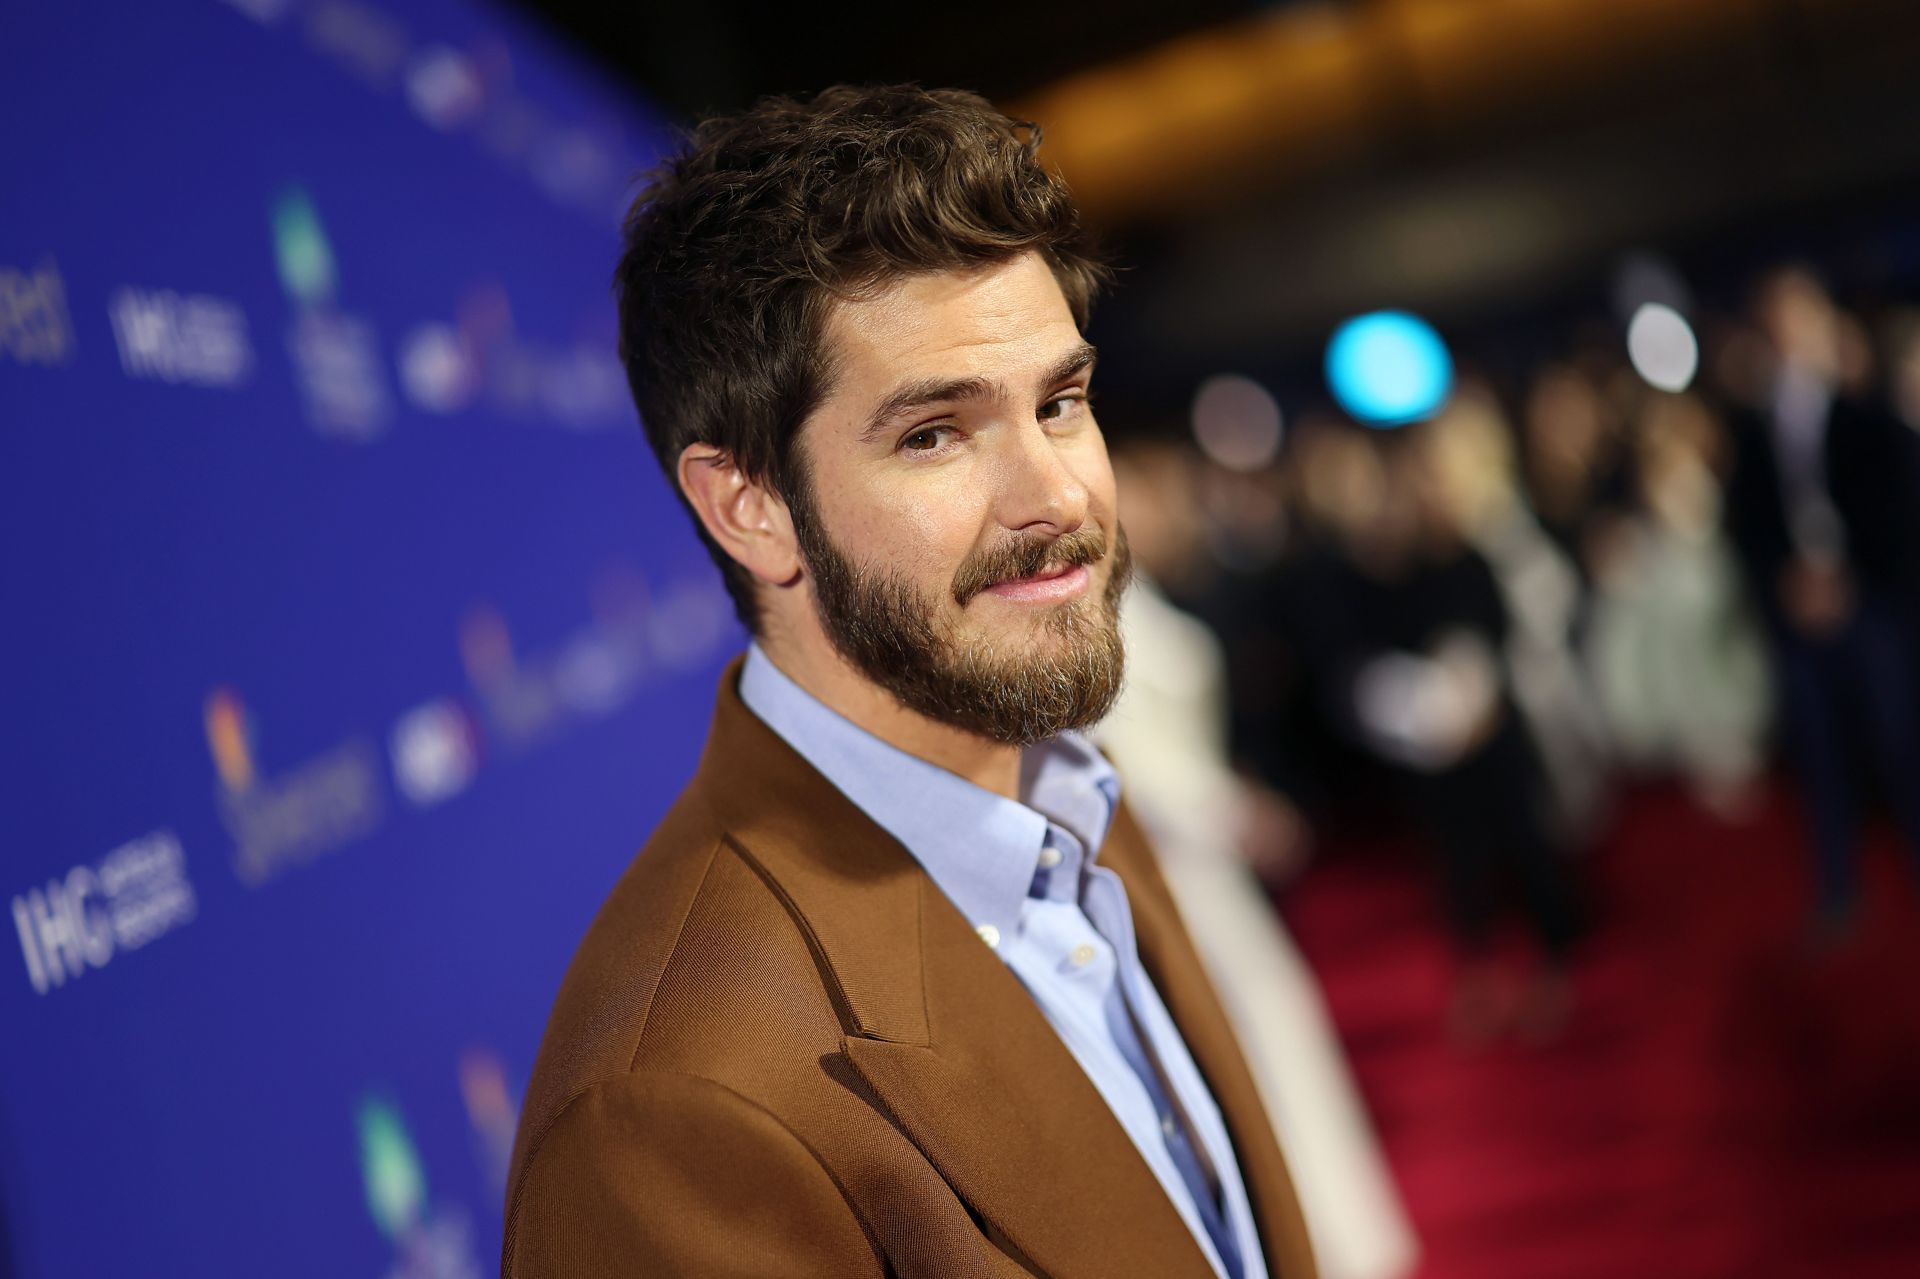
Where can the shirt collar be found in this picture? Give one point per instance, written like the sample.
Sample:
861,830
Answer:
982,849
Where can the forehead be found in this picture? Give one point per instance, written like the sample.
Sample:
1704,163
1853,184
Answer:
1000,318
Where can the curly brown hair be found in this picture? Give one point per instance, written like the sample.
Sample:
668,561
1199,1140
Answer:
739,244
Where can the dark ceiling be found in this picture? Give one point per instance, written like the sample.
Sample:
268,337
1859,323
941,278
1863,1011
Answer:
701,56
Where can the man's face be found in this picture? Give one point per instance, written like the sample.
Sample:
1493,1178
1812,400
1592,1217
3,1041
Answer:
957,517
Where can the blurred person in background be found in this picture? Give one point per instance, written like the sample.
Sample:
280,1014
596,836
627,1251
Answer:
1824,508
1239,573
1677,658
1571,455
1468,454
1216,830
1903,366
1411,635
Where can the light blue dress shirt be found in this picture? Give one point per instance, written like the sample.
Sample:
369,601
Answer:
1024,875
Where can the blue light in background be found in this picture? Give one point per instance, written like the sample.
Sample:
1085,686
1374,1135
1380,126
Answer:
1388,368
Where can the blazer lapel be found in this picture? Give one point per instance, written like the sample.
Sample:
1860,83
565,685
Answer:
997,1103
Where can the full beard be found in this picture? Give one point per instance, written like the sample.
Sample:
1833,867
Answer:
1066,679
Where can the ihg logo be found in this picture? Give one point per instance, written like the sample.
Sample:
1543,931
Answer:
34,325
82,919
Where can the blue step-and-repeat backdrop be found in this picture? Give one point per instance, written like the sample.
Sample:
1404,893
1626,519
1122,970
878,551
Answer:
350,641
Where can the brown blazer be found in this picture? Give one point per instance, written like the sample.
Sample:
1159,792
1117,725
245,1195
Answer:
781,1051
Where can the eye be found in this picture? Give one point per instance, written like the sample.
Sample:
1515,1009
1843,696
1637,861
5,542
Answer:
925,439
1062,406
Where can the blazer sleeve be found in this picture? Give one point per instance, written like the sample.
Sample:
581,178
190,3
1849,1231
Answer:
672,1174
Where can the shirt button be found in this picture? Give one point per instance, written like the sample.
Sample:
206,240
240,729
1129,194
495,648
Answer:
1166,1126
989,934
1049,857
1082,955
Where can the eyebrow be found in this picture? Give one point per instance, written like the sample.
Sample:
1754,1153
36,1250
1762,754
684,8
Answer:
938,390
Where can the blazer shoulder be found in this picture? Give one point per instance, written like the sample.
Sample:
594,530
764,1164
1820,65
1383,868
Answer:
653,1167
607,992
690,964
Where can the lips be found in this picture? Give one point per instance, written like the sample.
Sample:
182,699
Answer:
1048,586
1046,574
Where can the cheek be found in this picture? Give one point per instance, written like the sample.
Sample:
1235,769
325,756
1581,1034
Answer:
923,530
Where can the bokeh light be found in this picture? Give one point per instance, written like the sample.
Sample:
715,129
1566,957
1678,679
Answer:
1388,368
1236,422
1662,347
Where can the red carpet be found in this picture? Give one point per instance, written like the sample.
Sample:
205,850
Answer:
1726,1102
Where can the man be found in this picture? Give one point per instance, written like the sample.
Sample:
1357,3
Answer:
1822,506
894,989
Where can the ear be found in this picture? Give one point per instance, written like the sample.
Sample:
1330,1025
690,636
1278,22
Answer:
748,519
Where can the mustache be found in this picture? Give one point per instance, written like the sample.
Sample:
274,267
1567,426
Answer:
1025,556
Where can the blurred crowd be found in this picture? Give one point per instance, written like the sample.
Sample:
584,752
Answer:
1485,622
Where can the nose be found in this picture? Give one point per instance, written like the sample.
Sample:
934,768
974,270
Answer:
1039,490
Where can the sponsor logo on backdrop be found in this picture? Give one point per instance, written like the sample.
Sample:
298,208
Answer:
479,359
35,327
573,166
511,128
265,12
583,165
444,88
594,671
493,1114
86,918
301,252
360,38
284,821
337,362
175,337
436,751
429,1242
438,370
